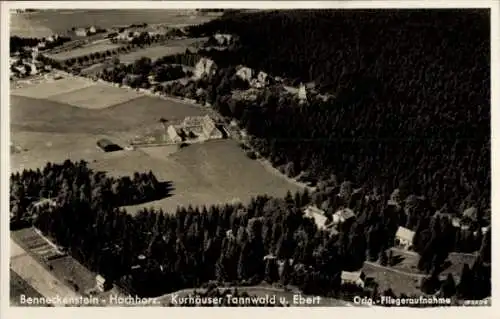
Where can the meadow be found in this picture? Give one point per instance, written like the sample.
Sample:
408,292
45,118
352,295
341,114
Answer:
173,47
47,22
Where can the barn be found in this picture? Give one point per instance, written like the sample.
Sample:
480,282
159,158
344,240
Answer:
108,146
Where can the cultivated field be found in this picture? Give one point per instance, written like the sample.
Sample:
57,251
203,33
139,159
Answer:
47,88
96,96
46,22
155,52
82,51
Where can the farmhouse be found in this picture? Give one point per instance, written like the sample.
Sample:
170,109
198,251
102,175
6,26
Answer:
353,277
173,134
204,67
317,215
108,146
81,32
404,238
244,73
343,215
223,39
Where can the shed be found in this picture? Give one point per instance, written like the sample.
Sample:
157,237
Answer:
353,277
108,146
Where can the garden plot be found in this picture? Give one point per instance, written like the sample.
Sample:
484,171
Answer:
48,88
97,96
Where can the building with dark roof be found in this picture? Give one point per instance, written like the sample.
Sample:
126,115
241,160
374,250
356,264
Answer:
108,146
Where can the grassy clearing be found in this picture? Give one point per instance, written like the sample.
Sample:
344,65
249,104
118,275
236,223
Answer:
86,50
38,115
155,52
61,21
398,282
213,172
410,261
46,89
96,96
73,273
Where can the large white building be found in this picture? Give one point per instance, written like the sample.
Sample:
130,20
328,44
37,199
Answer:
204,67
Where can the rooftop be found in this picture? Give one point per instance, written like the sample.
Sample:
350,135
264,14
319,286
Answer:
405,233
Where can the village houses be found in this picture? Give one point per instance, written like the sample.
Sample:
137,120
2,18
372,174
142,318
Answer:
204,67
353,278
404,238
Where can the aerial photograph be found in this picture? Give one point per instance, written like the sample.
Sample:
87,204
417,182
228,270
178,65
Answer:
250,158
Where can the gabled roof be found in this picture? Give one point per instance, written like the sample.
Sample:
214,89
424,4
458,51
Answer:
405,233
344,214
317,215
351,275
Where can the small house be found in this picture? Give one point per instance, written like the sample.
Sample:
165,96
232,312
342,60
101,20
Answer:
108,146
100,283
317,215
341,216
470,213
302,93
173,134
81,32
353,277
92,30
245,73
404,238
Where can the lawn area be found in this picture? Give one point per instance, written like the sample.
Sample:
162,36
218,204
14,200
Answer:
40,115
85,50
60,21
45,89
213,172
97,96
409,263
18,287
398,282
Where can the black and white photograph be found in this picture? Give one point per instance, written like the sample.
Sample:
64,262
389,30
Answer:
254,157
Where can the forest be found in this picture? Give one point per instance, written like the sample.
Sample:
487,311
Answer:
404,81
270,239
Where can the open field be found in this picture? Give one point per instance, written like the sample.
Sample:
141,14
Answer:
155,52
45,89
61,21
96,96
82,51
400,283
213,172
38,115
409,263
18,287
